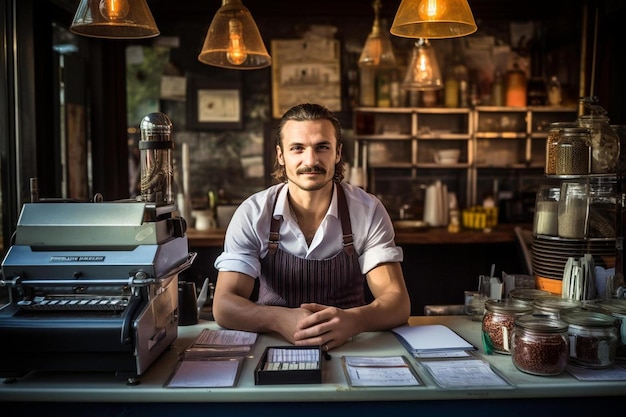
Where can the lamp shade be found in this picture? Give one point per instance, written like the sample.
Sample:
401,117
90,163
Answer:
433,19
377,51
114,19
233,40
423,72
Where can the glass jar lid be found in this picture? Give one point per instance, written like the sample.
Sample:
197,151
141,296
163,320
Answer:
555,304
575,130
528,294
588,319
617,306
508,306
562,125
541,323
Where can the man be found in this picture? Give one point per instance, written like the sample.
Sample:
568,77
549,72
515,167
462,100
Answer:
313,243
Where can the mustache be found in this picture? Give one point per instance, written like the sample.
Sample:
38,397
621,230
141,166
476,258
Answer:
311,170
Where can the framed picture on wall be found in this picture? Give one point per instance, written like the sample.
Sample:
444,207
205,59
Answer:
214,105
305,71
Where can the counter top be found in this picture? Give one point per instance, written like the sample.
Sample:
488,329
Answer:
105,388
503,233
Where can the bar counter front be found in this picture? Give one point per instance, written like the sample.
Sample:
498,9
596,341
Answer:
104,394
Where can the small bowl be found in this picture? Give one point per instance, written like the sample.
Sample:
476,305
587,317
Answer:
447,156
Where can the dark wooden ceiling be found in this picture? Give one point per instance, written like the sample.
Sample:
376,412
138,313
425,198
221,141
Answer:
482,9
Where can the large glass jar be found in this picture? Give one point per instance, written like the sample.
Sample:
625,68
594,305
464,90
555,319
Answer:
602,208
621,133
573,152
545,221
540,345
498,322
573,210
604,143
552,141
617,308
592,338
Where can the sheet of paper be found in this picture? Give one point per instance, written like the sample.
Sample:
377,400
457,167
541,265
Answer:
464,373
612,373
438,354
365,371
210,337
205,373
222,342
434,337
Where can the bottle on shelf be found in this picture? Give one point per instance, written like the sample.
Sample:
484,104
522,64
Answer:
367,82
451,89
555,96
536,91
516,84
461,74
497,90
384,79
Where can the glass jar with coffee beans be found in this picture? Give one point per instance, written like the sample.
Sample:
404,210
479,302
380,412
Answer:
616,307
540,345
552,141
592,338
498,323
573,152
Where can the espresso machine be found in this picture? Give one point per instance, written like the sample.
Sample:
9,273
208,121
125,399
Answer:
93,286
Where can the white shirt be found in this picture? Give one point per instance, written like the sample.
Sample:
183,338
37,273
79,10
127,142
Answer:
247,236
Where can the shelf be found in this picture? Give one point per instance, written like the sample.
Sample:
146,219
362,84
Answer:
391,165
386,136
443,136
500,135
508,140
434,165
508,166
409,110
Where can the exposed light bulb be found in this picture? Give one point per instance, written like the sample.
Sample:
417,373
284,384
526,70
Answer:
431,9
236,54
113,10
423,69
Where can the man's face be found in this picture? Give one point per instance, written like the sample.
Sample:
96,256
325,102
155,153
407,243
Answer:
309,153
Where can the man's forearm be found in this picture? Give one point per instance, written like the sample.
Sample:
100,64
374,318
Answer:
235,312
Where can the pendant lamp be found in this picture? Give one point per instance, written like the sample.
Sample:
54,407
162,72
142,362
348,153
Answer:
423,72
377,51
114,19
433,19
233,40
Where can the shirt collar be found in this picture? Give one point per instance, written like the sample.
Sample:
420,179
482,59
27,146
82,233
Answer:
282,204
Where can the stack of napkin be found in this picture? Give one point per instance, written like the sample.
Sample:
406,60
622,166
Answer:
579,282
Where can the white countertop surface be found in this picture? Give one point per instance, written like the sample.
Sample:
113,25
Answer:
105,387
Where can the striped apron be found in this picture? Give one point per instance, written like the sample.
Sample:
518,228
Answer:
287,280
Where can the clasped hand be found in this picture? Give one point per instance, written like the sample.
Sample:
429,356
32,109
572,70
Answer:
318,324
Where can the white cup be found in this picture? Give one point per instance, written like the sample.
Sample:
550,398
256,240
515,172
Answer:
204,219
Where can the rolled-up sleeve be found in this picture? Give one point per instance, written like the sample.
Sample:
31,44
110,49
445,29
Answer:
245,264
379,245
242,246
